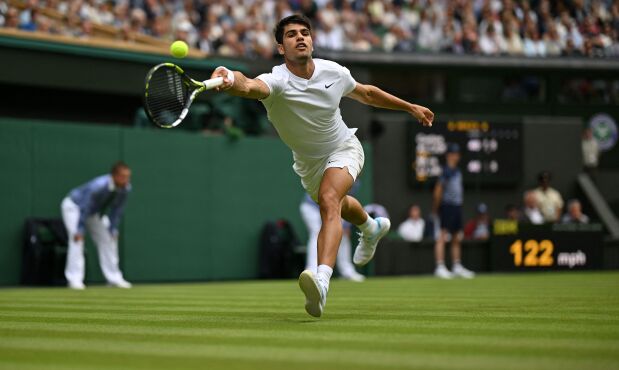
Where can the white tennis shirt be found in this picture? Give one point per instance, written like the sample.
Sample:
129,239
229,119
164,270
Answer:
306,113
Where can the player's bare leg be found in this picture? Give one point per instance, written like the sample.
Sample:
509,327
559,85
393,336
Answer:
456,248
456,255
335,204
439,256
335,184
352,211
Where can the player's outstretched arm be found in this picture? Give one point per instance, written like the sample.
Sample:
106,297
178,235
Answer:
372,95
236,83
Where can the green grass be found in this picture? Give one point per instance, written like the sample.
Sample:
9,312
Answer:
529,321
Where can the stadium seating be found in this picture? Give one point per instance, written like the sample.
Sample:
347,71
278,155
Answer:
537,28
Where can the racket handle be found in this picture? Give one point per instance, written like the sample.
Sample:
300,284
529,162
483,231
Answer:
213,82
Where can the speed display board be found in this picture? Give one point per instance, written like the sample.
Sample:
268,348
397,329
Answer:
546,247
491,152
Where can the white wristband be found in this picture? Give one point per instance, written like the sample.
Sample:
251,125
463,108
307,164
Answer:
230,74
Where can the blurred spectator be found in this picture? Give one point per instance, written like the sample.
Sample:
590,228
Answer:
28,16
492,43
574,213
590,151
552,41
331,36
11,19
412,229
470,43
237,28
430,32
513,41
86,30
397,40
530,211
479,227
512,213
533,46
549,200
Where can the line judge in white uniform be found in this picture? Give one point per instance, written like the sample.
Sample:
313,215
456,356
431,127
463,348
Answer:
302,98
96,206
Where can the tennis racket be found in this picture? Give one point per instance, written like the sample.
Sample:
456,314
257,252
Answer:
169,93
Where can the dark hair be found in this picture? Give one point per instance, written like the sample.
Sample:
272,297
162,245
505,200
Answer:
291,19
544,175
119,165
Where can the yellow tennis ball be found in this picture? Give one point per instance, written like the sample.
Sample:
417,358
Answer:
179,49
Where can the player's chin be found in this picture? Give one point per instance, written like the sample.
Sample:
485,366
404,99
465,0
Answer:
303,56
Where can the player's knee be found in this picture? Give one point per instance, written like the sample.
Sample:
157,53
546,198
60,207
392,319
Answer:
329,202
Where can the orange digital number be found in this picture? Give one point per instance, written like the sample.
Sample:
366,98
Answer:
516,250
531,247
547,248
531,253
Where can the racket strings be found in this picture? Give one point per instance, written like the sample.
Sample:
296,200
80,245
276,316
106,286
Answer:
166,96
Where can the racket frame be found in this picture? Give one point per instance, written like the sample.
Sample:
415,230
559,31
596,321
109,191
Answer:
200,86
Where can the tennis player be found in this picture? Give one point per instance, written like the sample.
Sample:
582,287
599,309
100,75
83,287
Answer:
302,99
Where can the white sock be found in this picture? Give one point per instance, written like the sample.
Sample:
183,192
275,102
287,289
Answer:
456,264
440,264
324,274
369,226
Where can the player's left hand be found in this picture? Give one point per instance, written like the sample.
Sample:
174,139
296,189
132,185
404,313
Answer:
423,115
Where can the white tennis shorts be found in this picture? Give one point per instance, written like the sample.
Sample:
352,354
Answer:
349,155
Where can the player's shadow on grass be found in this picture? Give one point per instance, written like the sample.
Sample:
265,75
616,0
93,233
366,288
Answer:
301,320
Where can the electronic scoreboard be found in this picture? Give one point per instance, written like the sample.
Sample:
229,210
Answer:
525,247
491,152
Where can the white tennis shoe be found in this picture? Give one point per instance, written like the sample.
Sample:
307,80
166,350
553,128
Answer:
315,293
442,272
123,284
76,285
367,243
463,272
354,276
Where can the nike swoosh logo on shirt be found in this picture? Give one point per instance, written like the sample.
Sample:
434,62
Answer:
328,86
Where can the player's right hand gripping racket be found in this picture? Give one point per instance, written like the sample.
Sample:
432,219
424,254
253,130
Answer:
169,93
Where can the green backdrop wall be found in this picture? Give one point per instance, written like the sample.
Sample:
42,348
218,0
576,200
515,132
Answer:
197,207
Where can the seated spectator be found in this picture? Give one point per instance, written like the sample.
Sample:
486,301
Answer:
492,43
490,27
479,227
512,213
530,212
430,32
513,41
574,213
549,200
412,230
552,41
533,45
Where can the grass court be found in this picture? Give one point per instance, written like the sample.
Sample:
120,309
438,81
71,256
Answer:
527,321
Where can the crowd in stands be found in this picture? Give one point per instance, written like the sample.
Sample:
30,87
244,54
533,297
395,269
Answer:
533,28
541,205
